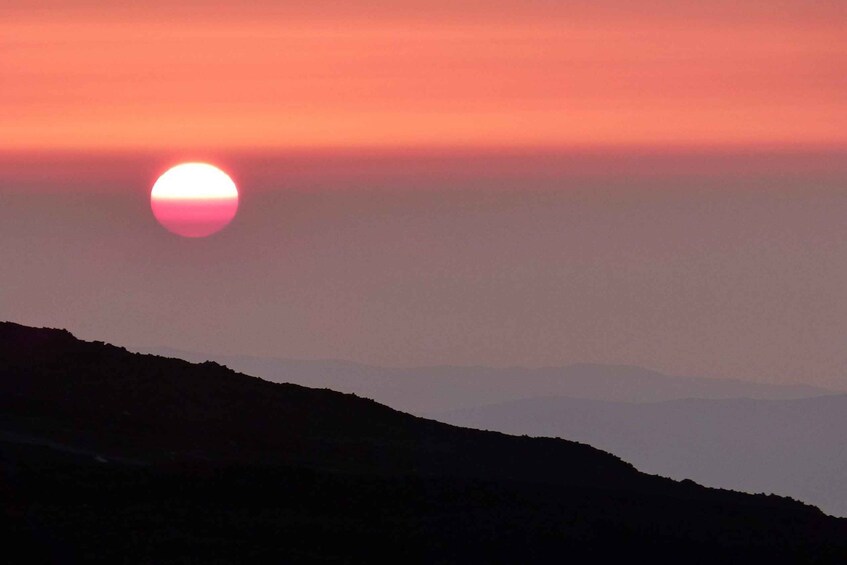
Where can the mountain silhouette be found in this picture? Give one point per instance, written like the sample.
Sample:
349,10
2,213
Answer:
792,447
112,456
652,420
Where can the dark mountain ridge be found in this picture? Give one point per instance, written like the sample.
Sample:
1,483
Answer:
209,412
110,456
792,447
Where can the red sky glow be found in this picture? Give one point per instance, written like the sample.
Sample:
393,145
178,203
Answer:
218,75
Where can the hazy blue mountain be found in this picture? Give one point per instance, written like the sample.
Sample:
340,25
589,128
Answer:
108,456
436,389
792,447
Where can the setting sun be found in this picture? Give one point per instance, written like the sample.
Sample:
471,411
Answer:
194,199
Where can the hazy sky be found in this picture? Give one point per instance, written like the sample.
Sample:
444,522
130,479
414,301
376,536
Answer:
660,183
731,265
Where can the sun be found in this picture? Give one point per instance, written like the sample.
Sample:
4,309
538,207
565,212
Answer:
194,199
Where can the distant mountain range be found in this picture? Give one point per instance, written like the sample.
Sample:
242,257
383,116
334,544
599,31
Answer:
428,390
110,456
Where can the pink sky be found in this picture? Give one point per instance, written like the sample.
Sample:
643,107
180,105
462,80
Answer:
217,75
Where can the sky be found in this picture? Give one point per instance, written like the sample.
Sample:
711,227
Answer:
480,183
216,74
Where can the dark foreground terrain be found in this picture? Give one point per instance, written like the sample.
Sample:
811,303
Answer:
109,456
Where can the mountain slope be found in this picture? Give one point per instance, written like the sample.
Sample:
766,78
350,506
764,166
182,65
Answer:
792,447
112,456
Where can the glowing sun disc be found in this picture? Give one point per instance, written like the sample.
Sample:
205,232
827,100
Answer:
194,199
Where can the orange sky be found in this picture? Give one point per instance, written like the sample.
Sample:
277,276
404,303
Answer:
502,73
